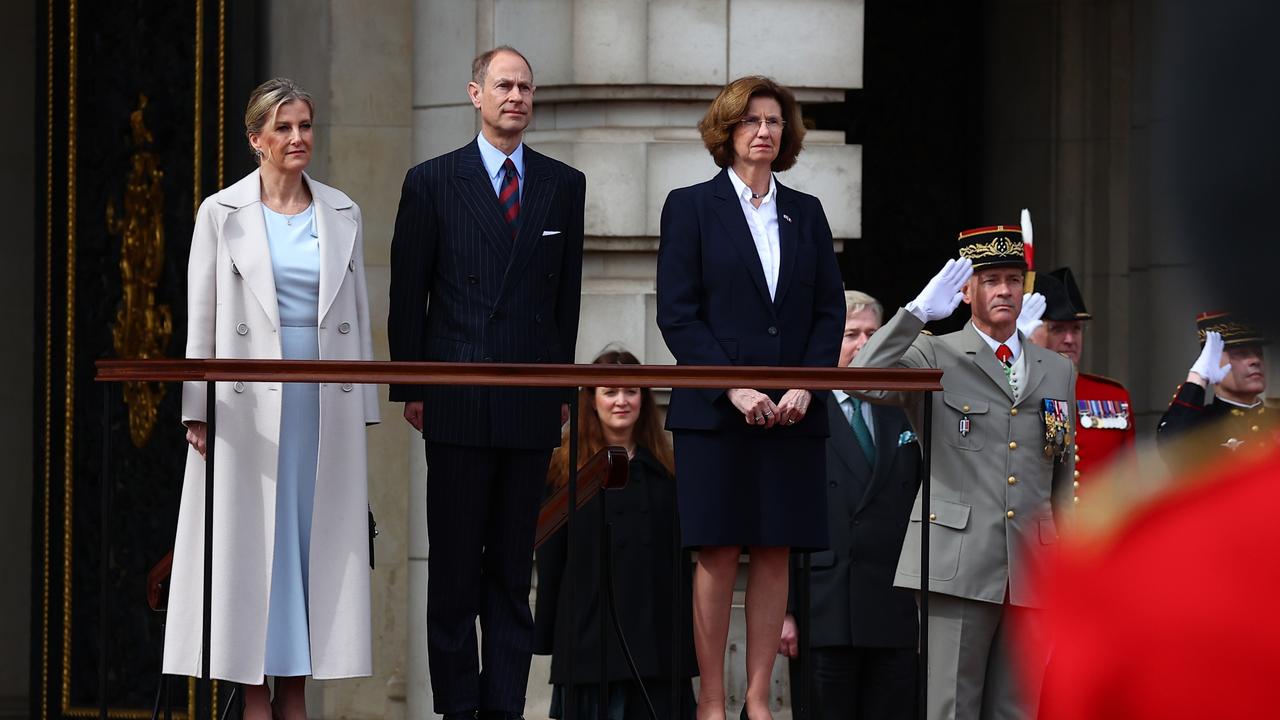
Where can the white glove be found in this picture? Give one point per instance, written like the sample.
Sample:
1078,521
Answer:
942,295
1207,364
1033,305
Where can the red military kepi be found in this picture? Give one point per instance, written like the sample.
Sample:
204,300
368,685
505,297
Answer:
1104,416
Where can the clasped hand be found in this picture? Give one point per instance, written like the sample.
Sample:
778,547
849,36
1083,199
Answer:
758,409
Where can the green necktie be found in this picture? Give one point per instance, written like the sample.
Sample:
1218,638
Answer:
862,432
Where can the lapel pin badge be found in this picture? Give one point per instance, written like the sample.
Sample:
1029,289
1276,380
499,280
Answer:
786,217
964,426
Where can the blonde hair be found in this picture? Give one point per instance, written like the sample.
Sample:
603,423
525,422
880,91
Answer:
265,102
855,301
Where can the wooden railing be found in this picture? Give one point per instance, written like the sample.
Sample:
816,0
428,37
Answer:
559,512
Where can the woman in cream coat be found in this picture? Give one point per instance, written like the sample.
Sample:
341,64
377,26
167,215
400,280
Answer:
286,601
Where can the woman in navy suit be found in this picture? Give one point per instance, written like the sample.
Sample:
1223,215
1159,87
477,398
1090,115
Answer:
747,275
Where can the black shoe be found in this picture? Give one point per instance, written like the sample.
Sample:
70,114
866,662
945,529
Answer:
744,715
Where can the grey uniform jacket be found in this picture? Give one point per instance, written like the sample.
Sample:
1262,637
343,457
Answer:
997,498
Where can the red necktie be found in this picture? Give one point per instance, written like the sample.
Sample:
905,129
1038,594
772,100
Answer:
509,197
1004,355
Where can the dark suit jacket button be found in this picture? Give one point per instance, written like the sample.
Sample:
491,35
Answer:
473,279
773,330
488,359
834,483
537,318
551,276
493,316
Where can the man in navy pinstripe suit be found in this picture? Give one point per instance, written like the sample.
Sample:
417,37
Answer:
486,266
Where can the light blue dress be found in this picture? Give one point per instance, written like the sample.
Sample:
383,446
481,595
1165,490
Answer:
295,262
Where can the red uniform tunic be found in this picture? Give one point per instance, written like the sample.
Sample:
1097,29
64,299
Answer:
1104,424
1168,612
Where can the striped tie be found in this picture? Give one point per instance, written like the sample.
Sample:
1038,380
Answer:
509,197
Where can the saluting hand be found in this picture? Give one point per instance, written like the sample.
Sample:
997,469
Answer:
942,295
1207,369
755,406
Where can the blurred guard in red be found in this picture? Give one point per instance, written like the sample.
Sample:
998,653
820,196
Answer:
1103,409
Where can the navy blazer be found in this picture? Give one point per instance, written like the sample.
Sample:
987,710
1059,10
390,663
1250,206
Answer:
463,291
853,602
714,306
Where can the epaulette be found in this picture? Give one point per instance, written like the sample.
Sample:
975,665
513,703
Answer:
1105,379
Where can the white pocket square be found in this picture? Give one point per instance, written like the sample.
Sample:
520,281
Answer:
545,233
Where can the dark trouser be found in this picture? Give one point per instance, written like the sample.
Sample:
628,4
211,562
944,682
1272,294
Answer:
862,683
482,512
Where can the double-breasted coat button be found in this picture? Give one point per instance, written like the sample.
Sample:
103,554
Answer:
1013,480
238,387
1013,445
933,517
344,328
1013,412
772,330
346,387
1009,514
473,279
242,329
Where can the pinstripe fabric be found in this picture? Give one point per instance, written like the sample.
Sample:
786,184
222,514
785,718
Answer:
463,291
465,288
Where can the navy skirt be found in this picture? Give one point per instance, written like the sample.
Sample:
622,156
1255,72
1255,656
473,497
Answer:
747,487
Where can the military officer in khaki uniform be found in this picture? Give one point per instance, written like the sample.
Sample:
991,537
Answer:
1001,475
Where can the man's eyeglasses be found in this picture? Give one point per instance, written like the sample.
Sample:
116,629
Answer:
771,123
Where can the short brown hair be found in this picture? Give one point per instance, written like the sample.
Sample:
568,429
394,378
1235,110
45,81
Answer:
480,66
718,125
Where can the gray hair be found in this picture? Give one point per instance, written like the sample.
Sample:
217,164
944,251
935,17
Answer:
855,301
265,101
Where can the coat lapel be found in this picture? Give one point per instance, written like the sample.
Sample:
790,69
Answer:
476,191
1033,364
729,209
844,441
245,232
539,192
886,445
788,237
985,359
337,235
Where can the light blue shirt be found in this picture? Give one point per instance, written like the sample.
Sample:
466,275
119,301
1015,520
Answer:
846,406
493,160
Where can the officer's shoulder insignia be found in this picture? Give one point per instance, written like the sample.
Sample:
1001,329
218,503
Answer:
1104,379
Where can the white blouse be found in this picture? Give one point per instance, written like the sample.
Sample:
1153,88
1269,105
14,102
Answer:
763,222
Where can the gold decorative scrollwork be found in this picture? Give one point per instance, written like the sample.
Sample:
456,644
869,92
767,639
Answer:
142,328
1001,247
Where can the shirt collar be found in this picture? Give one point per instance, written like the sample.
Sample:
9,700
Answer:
494,158
1014,342
1242,406
744,192
841,395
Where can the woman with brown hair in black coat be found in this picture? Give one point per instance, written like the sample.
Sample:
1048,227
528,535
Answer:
645,547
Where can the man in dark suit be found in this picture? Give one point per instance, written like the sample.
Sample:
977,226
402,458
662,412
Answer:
863,630
486,266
